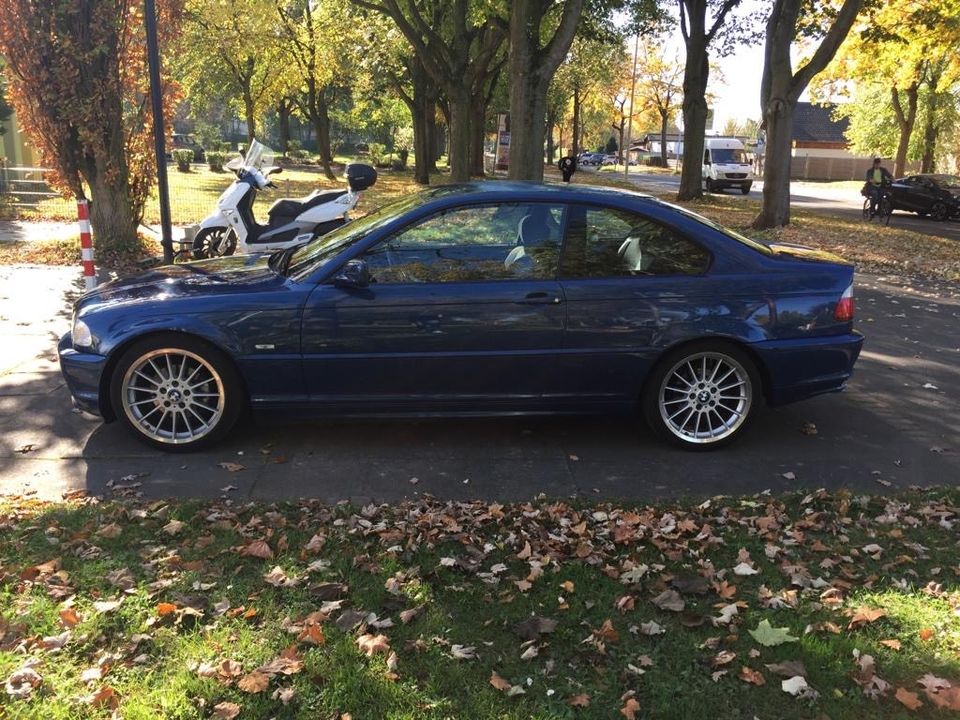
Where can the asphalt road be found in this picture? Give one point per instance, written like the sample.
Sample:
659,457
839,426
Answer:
898,423
808,196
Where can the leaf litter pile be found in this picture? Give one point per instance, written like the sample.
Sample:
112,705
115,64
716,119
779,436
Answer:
819,605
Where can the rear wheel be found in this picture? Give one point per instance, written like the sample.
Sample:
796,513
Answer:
176,392
701,396
214,242
884,210
939,211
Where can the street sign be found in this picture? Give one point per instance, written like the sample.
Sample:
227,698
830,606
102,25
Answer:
709,119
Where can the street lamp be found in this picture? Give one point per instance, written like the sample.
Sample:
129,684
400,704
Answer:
156,101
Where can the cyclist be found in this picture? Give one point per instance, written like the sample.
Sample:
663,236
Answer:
876,177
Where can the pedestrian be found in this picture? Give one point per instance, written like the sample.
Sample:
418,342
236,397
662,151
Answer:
876,178
568,166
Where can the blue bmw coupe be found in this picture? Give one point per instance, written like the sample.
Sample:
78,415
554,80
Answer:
474,299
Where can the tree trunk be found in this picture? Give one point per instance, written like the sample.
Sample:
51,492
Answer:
695,76
113,218
575,145
931,129
461,138
905,121
551,148
320,117
249,116
664,123
776,171
283,121
478,129
528,112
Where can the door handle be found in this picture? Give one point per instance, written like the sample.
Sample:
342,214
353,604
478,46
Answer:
540,298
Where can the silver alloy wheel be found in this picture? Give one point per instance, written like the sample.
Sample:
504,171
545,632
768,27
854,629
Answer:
172,396
705,397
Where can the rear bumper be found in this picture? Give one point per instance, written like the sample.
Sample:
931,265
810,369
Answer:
82,371
801,368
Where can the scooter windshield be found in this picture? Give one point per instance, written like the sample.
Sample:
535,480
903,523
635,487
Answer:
258,155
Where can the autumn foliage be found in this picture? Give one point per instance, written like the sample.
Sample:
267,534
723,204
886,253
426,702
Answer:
78,81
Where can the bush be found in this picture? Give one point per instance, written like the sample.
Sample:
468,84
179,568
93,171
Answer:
377,152
215,161
183,157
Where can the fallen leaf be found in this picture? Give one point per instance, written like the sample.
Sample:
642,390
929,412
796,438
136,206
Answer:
23,682
284,694
795,685
745,569
769,636
254,682
231,466
892,644
463,652
926,633
864,615
534,626
258,549
754,677
373,644
652,628
909,700
669,600
630,709
581,700
498,682
788,668
225,711
173,527
163,609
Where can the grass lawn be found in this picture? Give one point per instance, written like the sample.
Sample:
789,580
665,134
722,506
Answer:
799,606
870,246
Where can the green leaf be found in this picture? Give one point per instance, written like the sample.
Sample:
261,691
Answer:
767,635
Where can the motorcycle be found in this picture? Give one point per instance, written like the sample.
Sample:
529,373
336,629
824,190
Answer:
232,227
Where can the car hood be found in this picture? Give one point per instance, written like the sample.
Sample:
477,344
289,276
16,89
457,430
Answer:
244,273
801,252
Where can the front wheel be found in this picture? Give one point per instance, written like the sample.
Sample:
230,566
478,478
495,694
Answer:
176,393
701,396
711,187
214,242
745,189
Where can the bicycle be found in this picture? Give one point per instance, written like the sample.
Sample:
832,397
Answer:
884,207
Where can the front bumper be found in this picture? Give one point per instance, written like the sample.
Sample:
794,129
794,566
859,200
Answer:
82,371
804,367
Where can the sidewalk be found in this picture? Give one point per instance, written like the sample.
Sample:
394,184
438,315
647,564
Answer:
36,230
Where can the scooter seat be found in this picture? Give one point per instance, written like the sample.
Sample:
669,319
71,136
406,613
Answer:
291,207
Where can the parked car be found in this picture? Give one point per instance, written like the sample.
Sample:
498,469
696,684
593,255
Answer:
473,299
188,142
591,158
935,195
609,160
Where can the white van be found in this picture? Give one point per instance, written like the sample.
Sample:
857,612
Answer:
725,164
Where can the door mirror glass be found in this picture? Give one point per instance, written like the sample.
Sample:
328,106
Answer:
354,274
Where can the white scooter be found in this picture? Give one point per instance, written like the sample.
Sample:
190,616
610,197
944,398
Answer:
232,228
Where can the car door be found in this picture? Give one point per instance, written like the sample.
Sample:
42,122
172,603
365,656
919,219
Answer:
463,309
630,285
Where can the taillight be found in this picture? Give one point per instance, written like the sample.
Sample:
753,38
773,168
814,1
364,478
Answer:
844,310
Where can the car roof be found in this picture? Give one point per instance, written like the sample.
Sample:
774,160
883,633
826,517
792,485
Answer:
555,191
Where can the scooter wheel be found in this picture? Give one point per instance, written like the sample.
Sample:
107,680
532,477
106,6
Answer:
214,242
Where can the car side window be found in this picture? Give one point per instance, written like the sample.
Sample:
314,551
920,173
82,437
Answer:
609,243
481,242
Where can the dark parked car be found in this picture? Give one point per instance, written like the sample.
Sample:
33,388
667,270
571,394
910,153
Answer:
187,142
473,299
935,195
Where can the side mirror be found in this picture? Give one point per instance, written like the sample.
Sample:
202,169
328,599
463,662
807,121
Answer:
354,274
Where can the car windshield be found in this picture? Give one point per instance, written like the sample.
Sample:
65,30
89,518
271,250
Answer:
728,156
311,255
950,182
743,239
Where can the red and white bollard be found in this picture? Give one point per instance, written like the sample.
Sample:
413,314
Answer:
86,244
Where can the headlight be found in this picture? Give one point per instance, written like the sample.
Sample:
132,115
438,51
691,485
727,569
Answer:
82,337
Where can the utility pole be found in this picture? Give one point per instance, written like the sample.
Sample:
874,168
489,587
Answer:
633,92
156,101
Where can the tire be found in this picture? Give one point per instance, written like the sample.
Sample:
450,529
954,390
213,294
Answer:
939,211
182,377
745,189
669,411
884,210
214,242
711,188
